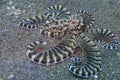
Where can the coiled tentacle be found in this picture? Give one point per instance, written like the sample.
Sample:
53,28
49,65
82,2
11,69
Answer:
86,17
91,64
105,37
58,12
34,22
54,55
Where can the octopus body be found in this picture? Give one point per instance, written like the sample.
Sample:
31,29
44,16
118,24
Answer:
54,55
72,29
61,28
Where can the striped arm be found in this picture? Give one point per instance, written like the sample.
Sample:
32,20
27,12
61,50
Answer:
56,54
105,37
51,33
86,18
58,12
91,64
33,22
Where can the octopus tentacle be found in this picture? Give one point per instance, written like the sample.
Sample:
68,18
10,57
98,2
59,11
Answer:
91,64
86,17
105,37
54,55
51,33
58,12
34,22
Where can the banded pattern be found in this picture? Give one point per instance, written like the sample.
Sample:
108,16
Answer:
105,37
34,22
61,23
52,33
58,22
56,54
86,17
60,28
54,28
91,64
58,12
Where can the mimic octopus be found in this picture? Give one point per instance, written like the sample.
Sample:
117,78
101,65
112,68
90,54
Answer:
77,33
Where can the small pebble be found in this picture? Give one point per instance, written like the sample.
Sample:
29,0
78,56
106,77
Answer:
8,8
10,3
96,76
113,72
13,7
11,76
44,43
118,54
52,74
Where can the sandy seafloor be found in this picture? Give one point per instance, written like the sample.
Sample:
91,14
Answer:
15,65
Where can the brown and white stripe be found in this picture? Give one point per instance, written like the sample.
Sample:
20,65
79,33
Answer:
34,22
105,37
91,64
58,12
54,55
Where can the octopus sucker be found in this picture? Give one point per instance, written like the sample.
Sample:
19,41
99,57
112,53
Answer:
92,59
107,39
58,12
